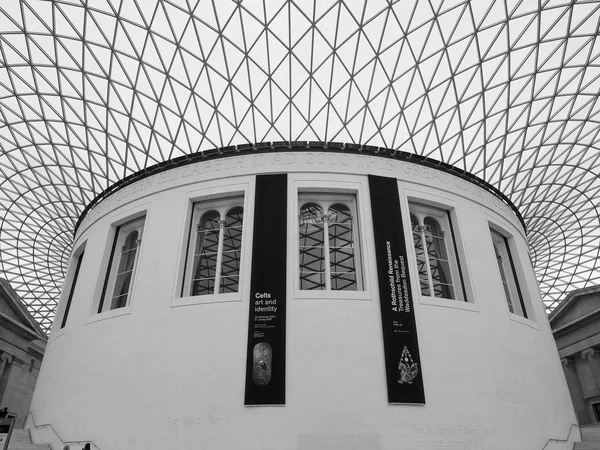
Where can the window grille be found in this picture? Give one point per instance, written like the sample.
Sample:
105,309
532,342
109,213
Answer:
437,265
215,247
328,251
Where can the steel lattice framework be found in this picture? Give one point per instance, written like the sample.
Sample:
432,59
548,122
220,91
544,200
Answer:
92,91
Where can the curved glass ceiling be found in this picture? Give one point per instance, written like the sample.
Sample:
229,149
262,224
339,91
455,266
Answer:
92,91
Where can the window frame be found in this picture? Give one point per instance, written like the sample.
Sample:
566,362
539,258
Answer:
70,285
199,208
345,185
442,216
219,190
523,310
73,285
325,201
121,232
449,205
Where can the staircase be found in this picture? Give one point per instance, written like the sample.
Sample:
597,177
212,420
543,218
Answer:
590,438
20,440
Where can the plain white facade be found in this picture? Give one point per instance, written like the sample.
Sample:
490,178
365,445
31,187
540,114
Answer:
168,371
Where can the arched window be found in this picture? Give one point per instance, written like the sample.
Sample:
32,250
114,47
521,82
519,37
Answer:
437,265
342,253
215,248
312,247
75,265
205,256
420,254
437,256
327,247
121,272
508,274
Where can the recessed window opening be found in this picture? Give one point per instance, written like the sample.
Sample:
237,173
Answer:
435,251
508,274
213,263
328,238
123,261
72,290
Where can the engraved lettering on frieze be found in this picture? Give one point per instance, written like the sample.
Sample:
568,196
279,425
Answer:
372,162
258,160
132,189
466,186
194,170
94,213
286,159
506,210
426,173
327,159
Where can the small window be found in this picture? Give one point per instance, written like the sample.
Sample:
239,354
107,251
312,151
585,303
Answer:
328,238
215,246
121,270
508,274
78,259
437,264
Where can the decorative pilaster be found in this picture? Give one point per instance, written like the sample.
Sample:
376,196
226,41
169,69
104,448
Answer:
574,385
591,357
5,358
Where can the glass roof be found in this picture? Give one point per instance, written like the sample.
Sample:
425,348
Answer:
92,91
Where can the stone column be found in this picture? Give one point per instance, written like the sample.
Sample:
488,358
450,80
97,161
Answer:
593,359
575,390
585,374
5,358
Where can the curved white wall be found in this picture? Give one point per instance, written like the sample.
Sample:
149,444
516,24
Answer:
169,372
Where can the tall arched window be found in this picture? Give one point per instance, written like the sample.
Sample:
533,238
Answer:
215,246
328,250
508,274
117,288
74,266
437,265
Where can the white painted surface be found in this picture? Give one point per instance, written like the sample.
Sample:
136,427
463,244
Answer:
169,372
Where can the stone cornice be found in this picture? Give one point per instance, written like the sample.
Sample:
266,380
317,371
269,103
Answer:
583,320
297,146
12,298
571,297
11,324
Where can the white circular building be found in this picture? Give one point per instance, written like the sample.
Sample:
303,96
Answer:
302,297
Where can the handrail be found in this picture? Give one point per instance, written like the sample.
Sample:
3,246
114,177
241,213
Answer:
573,425
49,425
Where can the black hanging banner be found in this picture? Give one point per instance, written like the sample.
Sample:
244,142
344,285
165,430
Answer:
401,348
265,357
